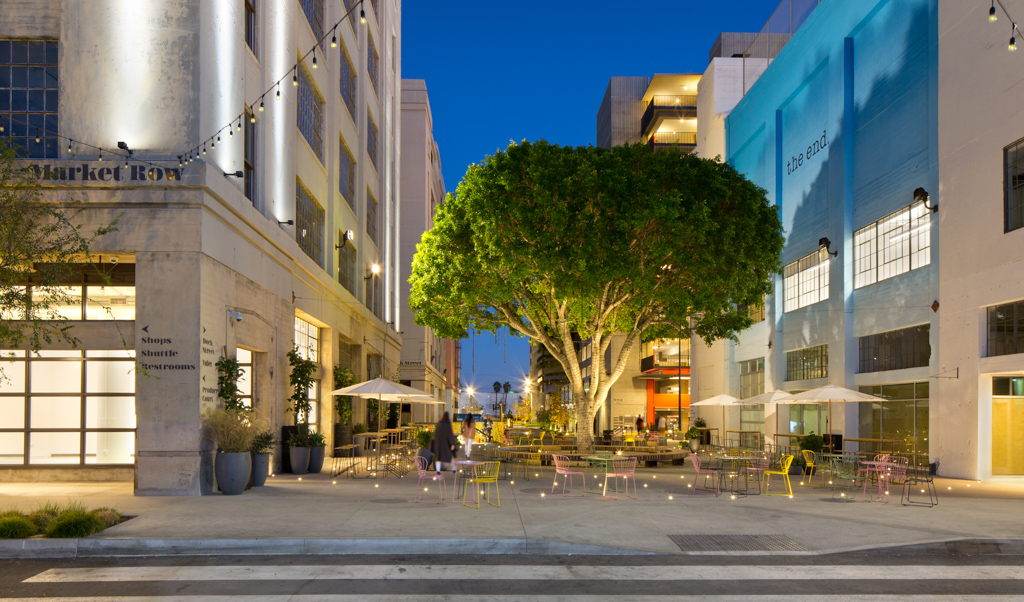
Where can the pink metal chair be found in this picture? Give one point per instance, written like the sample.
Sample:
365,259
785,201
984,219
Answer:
707,472
621,468
896,471
756,466
873,471
423,468
562,468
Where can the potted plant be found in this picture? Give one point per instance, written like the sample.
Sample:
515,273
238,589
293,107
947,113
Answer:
229,372
231,433
693,436
358,429
392,410
423,438
302,380
317,449
810,442
702,425
298,451
263,442
343,377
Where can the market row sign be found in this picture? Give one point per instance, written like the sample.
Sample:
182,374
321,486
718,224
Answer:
106,172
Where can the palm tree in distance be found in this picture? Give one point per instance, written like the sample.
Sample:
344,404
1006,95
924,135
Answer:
507,388
497,389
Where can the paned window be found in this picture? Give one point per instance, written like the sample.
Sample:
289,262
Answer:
373,66
347,354
350,5
903,417
376,8
347,82
1013,162
751,378
307,342
895,350
250,25
371,217
1006,329
894,245
371,139
347,264
314,10
347,175
811,362
311,113
806,280
309,224
373,300
247,382
67,407
756,311
249,179
28,97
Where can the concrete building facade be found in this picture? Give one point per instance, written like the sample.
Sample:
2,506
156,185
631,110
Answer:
206,264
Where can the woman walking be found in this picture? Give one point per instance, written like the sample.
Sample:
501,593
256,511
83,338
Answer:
443,443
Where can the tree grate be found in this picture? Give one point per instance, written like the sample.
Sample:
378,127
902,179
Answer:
736,543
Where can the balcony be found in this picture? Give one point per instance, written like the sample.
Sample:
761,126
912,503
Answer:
684,141
661,108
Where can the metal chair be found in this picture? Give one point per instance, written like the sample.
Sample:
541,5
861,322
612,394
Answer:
423,468
562,467
624,468
701,467
845,470
895,472
783,471
756,466
929,481
486,474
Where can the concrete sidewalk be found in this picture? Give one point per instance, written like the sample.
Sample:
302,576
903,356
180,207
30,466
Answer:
363,516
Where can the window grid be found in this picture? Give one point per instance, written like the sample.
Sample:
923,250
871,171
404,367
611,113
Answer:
311,113
371,217
347,264
307,340
247,382
28,96
806,280
347,81
811,362
895,349
371,139
896,244
1006,329
1013,162
100,412
314,10
249,179
347,175
250,25
751,378
373,300
373,66
309,224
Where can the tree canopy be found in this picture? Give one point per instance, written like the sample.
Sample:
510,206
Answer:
551,241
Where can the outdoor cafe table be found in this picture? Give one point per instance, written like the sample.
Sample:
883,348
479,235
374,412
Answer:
877,468
373,464
462,468
733,472
593,462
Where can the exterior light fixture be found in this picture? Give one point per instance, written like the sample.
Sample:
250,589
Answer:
374,270
920,194
290,222
1013,39
334,38
295,78
261,104
314,57
992,13
825,242
362,16
236,174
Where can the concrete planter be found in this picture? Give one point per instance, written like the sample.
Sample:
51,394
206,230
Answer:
232,472
260,469
694,445
299,459
316,459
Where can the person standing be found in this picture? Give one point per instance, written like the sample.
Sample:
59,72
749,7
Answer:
444,442
468,433
662,425
488,425
639,424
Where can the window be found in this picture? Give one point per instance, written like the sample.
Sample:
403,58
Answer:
250,24
373,300
314,10
903,418
247,382
347,175
347,354
806,419
28,97
348,82
85,296
751,378
755,311
806,280
811,362
894,245
307,341
371,217
1013,162
371,139
67,407
311,113
895,350
1006,329
309,224
249,179
347,264
376,8
373,66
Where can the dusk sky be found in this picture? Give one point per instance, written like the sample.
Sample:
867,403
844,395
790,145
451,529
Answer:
502,71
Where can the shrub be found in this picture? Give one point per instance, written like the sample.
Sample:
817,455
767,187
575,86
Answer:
109,516
423,437
229,430
358,428
299,438
16,526
700,422
74,522
263,441
317,440
812,442
693,433
41,518
11,512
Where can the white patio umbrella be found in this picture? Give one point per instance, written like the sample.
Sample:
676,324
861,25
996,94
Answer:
717,400
828,394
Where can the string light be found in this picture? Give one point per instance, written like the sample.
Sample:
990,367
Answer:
362,16
334,37
37,134
992,13
69,145
101,154
252,115
278,95
213,144
261,104
295,78
204,148
1011,47
239,124
231,133
314,57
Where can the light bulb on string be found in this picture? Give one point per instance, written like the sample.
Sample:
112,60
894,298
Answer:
1013,38
261,104
180,164
37,134
295,78
213,144
314,57
204,148
362,16
126,163
278,95
252,115
239,124
992,13
231,133
334,38
69,145
101,154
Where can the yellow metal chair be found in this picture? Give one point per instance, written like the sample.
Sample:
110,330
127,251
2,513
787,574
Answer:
784,465
812,466
485,474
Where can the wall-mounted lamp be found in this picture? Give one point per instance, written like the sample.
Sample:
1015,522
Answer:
920,194
236,174
825,242
349,235
290,222
374,270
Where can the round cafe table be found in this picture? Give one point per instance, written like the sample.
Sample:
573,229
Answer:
462,468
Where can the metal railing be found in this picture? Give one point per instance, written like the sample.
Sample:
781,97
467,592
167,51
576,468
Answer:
789,15
685,140
678,106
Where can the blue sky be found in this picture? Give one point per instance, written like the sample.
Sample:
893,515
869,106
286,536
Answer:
498,71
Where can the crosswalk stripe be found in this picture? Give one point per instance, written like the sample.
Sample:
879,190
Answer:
523,572
528,598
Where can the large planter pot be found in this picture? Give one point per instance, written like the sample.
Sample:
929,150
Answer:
316,459
260,469
232,472
286,432
392,422
299,459
342,434
694,445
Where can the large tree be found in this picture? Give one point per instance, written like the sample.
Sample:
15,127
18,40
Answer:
551,241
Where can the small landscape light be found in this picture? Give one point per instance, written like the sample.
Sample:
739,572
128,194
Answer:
734,497
645,485
542,494
949,488
670,497
300,478
887,493
376,485
334,482
688,485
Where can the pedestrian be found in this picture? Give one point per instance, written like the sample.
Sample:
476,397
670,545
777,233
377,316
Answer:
662,425
443,443
468,433
639,424
488,425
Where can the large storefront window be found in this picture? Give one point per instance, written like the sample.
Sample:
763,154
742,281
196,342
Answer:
67,407
307,341
805,419
901,422
664,353
1007,424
